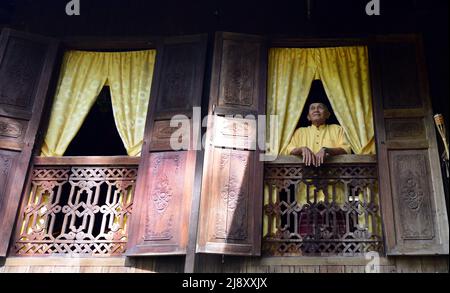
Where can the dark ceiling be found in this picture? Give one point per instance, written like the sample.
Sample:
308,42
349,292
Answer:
315,18
301,17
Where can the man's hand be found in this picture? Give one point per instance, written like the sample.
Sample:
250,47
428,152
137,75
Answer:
321,156
308,156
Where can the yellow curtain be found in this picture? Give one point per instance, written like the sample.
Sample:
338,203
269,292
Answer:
130,78
344,72
83,75
291,73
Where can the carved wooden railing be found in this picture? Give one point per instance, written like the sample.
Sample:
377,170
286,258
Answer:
77,206
330,210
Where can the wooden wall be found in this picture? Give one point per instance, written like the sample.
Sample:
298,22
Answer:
215,264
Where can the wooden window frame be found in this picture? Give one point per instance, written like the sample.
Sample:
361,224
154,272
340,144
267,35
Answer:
85,44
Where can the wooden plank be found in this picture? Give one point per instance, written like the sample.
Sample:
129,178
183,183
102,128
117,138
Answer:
115,43
335,269
87,161
231,205
65,261
407,264
355,269
27,64
11,145
405,132
342,159
312,261
177,88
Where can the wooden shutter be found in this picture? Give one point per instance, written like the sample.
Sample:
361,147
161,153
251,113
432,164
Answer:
163,197
232,187
411,186
26,65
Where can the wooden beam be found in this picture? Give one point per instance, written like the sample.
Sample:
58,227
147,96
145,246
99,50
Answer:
90,161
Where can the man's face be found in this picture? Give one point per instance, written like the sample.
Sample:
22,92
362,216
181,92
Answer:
318,113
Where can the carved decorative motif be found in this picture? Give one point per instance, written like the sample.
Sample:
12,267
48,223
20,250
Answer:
10,128
5,165
77,211
412,195
399,129
158,159
231,217
177,77
401,86
239,73
165,234
225,159
21,68
328,211
162,194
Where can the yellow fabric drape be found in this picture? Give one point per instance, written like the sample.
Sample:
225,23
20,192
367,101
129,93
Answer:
83,75
130,78
344,72
291,73
345,75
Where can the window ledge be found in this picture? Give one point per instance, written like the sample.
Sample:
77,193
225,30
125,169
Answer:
318,261
65,261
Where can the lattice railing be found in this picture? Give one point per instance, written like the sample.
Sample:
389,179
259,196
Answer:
77,207
330,210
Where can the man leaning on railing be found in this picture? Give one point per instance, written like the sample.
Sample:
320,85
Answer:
319,140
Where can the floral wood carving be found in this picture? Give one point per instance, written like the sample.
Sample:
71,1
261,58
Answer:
162,195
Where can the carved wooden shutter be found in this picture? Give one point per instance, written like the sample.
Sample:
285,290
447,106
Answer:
232,190
411,187
26,65
163,196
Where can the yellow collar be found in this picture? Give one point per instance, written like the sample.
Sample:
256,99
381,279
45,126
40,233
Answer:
321,127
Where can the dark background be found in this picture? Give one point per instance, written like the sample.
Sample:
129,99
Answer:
326,18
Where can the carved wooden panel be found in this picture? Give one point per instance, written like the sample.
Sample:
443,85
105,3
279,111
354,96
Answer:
235,133
411,187
239,74
399,74
405,129
229,206
20,70
12,129
231,202
230,192
76,211
178,77
163,133
339,215
412,194
164,191
165,197
6,162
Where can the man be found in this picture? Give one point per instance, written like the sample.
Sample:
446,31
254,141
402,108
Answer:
319,140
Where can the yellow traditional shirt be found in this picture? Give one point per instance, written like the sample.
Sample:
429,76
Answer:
315,138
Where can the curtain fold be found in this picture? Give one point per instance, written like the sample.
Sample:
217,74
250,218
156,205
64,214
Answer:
344,72
291,73
130,78
83,75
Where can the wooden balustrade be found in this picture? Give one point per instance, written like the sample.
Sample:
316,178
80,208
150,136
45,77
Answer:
77,206
330,210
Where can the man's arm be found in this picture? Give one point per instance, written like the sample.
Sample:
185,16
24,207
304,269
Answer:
308,156
327,152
